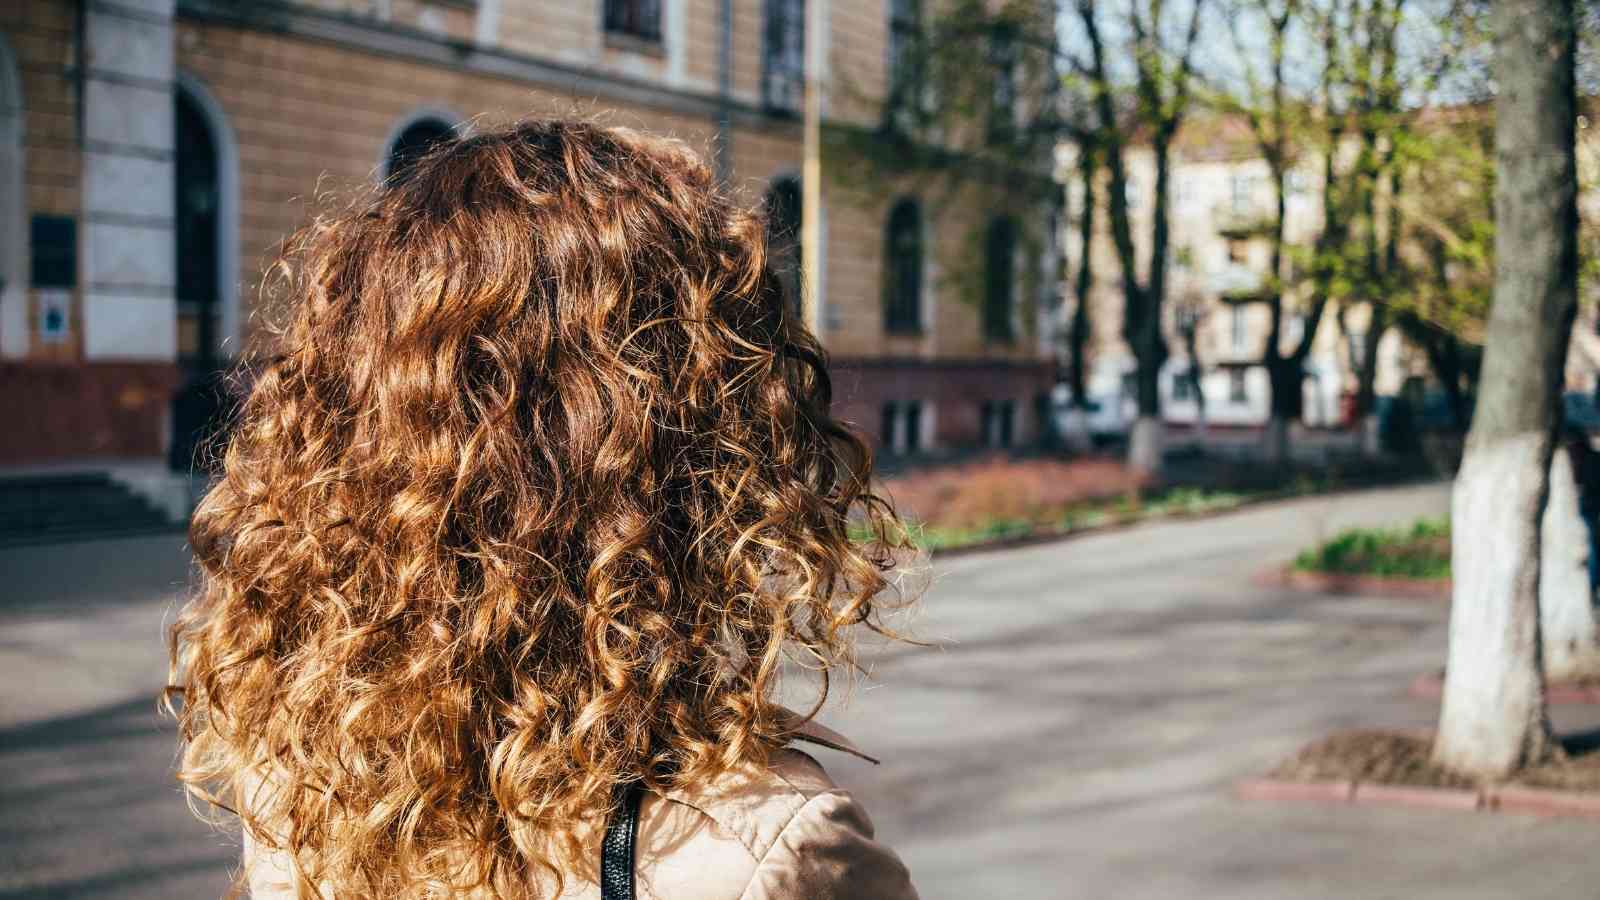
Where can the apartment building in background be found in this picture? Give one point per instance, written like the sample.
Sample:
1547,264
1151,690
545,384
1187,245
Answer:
154,153
1221,198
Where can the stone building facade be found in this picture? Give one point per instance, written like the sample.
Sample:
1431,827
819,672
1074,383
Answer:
154,154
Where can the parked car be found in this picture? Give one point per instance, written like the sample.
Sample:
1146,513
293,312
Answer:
1099,419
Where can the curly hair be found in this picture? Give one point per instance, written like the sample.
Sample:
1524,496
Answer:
532,500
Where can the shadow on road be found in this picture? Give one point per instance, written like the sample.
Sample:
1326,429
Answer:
89,808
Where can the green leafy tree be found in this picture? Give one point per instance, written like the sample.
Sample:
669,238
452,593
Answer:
1134,61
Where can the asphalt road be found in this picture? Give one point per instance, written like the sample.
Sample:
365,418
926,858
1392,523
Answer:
1072,732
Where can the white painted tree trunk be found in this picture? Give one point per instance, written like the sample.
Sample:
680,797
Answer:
1145,445
1275,441
1371,435
1567,621
1492,720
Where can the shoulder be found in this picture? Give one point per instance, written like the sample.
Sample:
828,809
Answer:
780,831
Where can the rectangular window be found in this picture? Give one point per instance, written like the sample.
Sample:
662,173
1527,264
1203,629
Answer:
912,427
1236,323
905,77
783,56
54,244
1243,188
1003,99
1237,394
889,436
1182,387
1238,251
639,19
999,418
1358,348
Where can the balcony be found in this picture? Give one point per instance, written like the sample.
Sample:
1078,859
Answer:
1236,223
1238,282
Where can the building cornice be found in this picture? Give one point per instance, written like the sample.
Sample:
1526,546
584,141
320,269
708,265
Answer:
389,39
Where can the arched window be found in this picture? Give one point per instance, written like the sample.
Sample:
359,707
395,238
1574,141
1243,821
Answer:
412,144
783,236
902,267
1000,251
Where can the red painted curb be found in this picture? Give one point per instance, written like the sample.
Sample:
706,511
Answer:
1422,589
1546,802
1277,790
1431,687
1461,799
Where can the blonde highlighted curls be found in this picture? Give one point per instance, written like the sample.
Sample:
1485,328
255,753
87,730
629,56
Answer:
537,492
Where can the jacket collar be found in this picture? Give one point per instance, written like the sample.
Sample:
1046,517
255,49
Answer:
813,732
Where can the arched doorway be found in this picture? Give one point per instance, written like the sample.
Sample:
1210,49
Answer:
196,217
14,338
206,264
783,206
414,141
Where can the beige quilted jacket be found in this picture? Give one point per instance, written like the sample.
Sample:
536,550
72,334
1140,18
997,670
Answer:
783,833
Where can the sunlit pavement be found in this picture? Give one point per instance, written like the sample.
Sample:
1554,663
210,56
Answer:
1077,729
1073,734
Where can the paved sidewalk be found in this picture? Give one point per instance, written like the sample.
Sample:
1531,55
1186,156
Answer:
1073,735
1077,731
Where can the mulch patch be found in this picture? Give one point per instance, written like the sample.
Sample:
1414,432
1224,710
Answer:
1389,757
1394,768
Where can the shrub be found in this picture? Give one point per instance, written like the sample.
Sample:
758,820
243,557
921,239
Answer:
1421,551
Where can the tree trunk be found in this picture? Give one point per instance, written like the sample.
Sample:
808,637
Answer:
1492,720
1077,373
1571,635
1367,374
1191,347
1145,445
1286,375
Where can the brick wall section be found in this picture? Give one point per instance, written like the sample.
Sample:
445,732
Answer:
101,411
953,390
313,119
41,34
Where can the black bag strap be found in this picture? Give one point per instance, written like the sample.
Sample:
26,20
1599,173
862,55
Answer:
616,850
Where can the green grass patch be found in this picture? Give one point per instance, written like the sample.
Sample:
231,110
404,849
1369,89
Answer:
1421,551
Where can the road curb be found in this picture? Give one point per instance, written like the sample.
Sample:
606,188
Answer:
1546,802
1511,798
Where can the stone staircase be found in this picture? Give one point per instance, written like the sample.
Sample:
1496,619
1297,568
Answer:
59,507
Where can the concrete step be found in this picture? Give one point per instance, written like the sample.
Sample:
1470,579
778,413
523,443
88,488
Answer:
61,507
